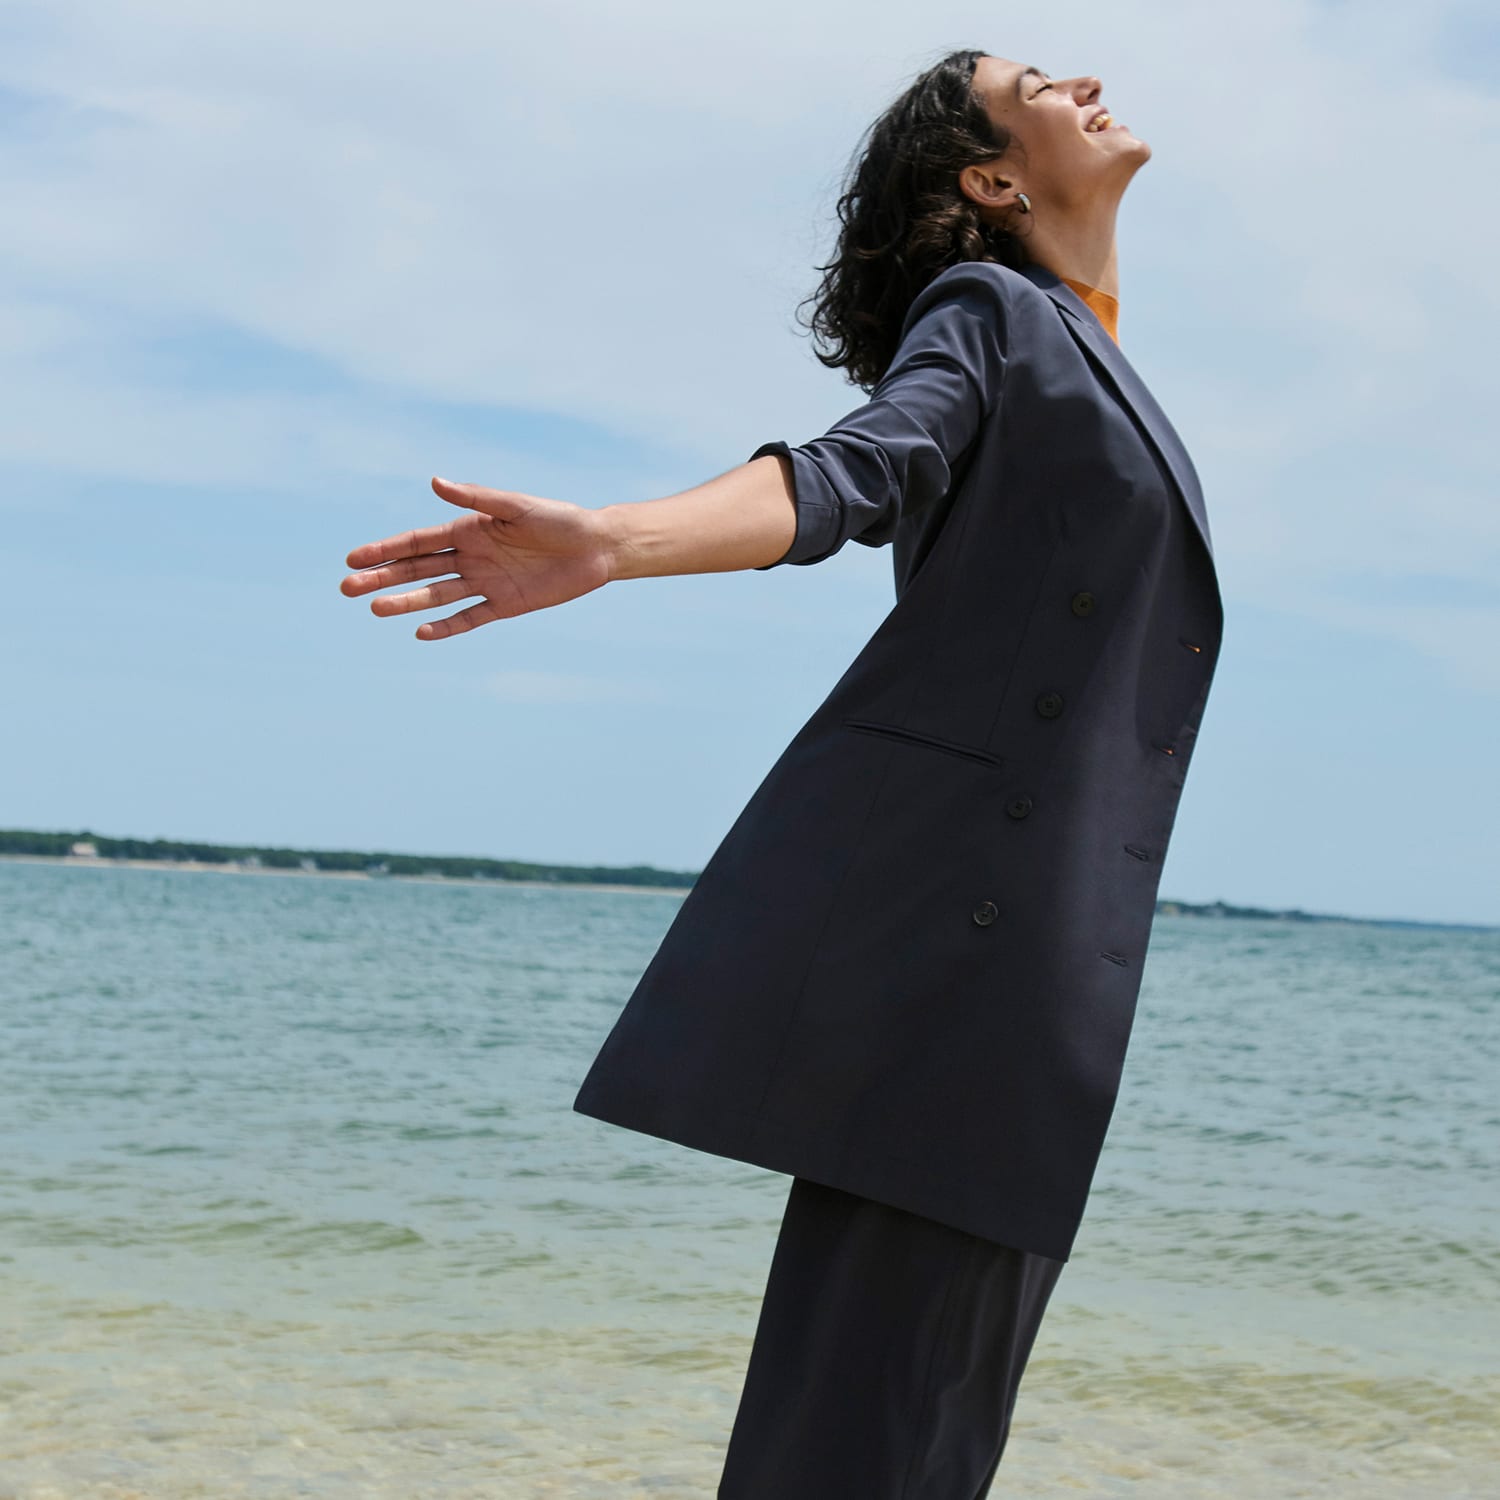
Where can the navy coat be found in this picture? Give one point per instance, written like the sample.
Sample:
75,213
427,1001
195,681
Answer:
910,968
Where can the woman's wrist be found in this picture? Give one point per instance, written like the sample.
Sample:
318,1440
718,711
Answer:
623,539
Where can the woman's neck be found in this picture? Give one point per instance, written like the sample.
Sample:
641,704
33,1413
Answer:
1080,248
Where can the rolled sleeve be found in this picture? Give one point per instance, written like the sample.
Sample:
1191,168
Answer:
896,453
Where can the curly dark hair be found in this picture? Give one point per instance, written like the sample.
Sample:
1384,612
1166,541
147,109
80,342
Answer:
904,218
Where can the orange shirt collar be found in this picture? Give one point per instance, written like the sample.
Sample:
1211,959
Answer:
1104,307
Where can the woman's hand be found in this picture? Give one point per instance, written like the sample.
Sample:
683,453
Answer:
517,552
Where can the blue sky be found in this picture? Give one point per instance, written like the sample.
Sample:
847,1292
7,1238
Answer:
263,274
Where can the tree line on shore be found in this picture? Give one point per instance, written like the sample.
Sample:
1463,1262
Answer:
458,867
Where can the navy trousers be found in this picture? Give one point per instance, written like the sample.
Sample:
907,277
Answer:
886,1358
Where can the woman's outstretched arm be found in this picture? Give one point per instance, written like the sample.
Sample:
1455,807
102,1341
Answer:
886,459
521,553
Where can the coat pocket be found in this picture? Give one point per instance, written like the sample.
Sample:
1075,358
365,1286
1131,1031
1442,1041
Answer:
922,738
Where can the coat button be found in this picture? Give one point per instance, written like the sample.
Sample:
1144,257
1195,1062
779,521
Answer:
1082,604
1049,705
1018,807
986,912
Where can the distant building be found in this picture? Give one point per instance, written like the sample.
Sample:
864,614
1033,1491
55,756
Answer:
307,862
84,850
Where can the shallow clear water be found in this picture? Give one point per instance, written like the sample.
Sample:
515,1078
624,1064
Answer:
294,1203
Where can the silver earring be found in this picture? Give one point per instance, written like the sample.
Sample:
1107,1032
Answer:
1025,202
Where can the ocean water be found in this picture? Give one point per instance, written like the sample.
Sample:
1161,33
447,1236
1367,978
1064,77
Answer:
293,1203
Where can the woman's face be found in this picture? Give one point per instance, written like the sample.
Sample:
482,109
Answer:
1061,159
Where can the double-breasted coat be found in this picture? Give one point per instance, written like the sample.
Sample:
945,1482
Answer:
909,970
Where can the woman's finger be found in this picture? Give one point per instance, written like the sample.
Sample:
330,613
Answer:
407,544
408,571
503,505
465,619
429,598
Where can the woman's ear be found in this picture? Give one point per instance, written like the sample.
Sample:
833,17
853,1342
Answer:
983,184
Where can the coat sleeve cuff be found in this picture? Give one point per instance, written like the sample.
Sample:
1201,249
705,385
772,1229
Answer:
817,508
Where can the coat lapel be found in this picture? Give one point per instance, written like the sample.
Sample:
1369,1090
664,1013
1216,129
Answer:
1106,355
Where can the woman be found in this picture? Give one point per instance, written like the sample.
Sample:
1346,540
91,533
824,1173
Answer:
907,975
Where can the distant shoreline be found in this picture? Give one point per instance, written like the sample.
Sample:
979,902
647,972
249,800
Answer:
1165,907
235,867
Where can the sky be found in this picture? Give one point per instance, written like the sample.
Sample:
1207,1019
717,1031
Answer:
265,270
